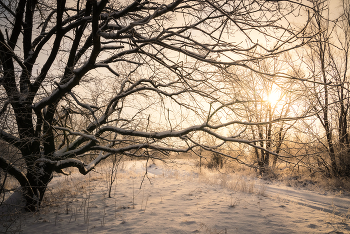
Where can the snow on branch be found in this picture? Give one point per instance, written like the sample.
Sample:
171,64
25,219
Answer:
86,106
87,136
86,168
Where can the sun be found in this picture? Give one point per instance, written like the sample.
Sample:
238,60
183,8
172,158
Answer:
273,97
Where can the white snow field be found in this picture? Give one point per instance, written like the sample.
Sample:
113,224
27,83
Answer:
176,198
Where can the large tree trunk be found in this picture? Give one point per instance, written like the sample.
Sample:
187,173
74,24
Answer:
39,177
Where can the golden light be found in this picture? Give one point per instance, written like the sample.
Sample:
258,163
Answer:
273,97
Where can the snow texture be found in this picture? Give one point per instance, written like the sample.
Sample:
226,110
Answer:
177,198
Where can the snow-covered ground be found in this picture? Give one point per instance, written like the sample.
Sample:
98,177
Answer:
176,198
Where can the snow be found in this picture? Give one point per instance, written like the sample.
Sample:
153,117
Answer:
177,198
326,203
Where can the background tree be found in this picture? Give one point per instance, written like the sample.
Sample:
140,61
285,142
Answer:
326,60
81,81
264,99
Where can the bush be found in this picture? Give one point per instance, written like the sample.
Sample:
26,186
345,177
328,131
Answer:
216,161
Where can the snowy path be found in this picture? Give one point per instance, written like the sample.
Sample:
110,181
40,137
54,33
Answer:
326,203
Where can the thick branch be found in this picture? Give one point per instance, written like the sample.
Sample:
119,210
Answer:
12,140
84,169
15,172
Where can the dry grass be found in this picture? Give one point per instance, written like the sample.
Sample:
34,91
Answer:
209,230
289,175
238,183
312,181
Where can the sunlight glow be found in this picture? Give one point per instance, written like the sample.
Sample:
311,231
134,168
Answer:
274,97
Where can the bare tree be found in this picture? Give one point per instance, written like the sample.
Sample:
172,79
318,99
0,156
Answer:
264,99
75,74
326,60
340,67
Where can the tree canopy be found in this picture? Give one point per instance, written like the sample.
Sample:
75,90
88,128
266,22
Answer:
83,80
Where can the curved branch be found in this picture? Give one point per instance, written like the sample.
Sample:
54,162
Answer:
12,140
15,172
4,108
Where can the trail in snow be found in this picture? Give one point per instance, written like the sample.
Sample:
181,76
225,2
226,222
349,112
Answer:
327,203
